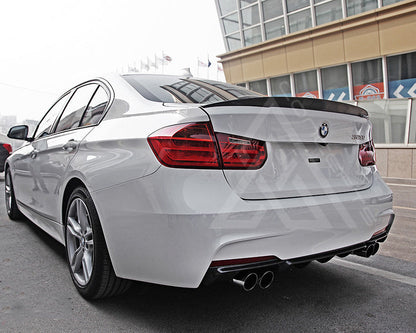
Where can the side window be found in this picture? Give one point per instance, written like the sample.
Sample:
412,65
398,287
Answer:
71,117
45,125
96,108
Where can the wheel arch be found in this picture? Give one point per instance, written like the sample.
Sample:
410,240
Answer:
72,184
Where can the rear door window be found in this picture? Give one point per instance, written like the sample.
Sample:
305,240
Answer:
76,107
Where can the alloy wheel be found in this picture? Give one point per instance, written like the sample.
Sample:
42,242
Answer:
80,243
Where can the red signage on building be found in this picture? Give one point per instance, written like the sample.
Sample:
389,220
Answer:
369,91
308,94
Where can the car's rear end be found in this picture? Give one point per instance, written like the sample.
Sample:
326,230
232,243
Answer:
243,186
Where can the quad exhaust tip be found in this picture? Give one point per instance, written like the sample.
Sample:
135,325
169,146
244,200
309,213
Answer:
369,251
266,280
249,282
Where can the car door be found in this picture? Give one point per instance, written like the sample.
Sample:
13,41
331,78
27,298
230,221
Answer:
53,153
25,176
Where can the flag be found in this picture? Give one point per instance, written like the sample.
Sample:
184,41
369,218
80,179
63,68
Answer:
202,64
167,58
219,68
209,63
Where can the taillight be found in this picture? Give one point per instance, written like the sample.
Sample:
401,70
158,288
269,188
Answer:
185,145
241,153
367,154
7,147
196,146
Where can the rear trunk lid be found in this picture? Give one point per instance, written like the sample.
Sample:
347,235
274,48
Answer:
312,145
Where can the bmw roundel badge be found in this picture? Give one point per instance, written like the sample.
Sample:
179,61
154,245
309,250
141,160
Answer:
323,130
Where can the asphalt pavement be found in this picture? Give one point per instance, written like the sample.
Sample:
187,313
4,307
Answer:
353,294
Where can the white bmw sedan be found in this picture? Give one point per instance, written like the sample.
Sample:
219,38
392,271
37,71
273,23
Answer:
182,181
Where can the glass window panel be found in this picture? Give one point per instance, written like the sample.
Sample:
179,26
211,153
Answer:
227,6
73,112
241,85
258,86
367,79
359,6
280,86
412,133
328,12
401,71
388,118
335,83
306,84
300,21
275,28
250,16
244,3
389,2
293,5
252,36
233,41
96,108
319,1
45,125
272,9
230,23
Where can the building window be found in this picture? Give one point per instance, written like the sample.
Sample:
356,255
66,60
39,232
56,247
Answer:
293,5
401,71
306,84
389,2
388,118
250,16
252,36
368,80
328,12
258,86
412,132
233,41
360,6
335,83
275,28
280,86
231,23
300,20
272,9
244,3
227,6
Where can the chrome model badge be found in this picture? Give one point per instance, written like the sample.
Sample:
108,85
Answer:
323,130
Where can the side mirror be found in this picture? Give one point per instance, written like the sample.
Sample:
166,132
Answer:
19,133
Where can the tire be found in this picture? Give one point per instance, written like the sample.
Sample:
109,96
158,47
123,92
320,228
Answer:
11,206
86,251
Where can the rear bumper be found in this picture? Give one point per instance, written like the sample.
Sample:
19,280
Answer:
228,272
168,227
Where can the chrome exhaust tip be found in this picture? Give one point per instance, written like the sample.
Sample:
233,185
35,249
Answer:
248,282
266,280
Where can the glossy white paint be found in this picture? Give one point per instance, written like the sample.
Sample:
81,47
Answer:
166,225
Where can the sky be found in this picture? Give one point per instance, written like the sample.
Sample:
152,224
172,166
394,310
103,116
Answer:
48,46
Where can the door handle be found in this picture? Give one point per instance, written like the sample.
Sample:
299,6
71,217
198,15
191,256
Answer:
34,153
70,145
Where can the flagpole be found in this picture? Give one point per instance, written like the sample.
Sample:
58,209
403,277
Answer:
197,71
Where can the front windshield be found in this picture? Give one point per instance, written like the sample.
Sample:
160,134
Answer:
174,89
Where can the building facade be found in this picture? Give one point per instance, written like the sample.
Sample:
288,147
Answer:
355,51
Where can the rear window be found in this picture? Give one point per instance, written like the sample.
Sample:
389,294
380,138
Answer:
174,89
